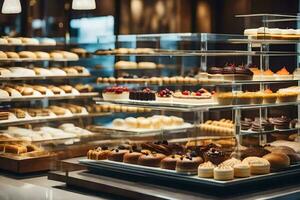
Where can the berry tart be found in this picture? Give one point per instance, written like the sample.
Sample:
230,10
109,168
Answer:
164,95
200,96
116,93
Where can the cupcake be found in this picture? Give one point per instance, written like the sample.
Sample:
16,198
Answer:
269,97
206,170
283,74
225,98
223,173
257,98
243,98
284,96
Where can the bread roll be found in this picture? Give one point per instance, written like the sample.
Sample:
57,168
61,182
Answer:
5,72
42,55
57,72
291,153
278,160
30,41
146,65
12,55
56,56
70,55
42,71
3,41
4,94
27,54
14,40
48,41
3,55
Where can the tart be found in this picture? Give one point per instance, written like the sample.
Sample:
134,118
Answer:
201,96
116,93
164,95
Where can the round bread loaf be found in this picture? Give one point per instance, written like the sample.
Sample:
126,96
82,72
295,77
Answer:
3,55
12,55
278,160
27,54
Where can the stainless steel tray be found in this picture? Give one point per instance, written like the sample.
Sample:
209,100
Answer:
169,175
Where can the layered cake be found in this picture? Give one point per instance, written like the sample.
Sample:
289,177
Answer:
143,95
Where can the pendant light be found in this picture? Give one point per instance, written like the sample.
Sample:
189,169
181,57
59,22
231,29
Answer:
84,4
11,7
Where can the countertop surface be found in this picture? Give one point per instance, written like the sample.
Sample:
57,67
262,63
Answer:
39,188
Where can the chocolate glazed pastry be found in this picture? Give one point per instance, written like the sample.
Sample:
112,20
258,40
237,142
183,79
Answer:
280,122
215,156
262,125
229,69
246,124
254,151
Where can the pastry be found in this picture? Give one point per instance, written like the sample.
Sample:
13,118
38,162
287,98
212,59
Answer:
231,162
55,90
170,162
3,41
22,72
42,55
280,122
69,55
278,160
244,98
25,91
200,96
291,153
57,71
144,95
188,164
146,65
9,92
48,41
117,155
125,65
225,98
42,71
3,55
283,74
241,170
4,115
57,110
259,125
84,88
15,149
268,75
151,159
254,152
116,93
215,156
12,55
257,165
132,157
98,154
27,54
19,113
70,71
42,89
29,41
269,97
284,96
164,95
56,56
14,41
38,112
80,51
5,72
223,173
66,88
206,170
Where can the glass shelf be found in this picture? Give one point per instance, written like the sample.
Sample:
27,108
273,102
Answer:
33,120
242,132
181,107
208,83
55,97
36,60
43,77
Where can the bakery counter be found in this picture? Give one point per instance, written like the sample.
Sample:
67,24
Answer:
33,187
141,188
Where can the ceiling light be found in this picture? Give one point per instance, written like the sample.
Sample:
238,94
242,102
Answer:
84,5
11,7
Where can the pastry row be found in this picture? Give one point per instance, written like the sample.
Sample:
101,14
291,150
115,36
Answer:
208,161
223,127
39,71
22,150
39,55
265,97
116,108
13,91
272,33
52,111
270,124
64,131
154,122
125,51
26,41
269,75
135,65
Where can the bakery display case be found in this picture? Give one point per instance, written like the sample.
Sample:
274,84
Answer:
242,117
45,105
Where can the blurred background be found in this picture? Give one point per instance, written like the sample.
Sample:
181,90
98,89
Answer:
55,18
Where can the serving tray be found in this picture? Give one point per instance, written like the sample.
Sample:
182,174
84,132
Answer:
183,178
